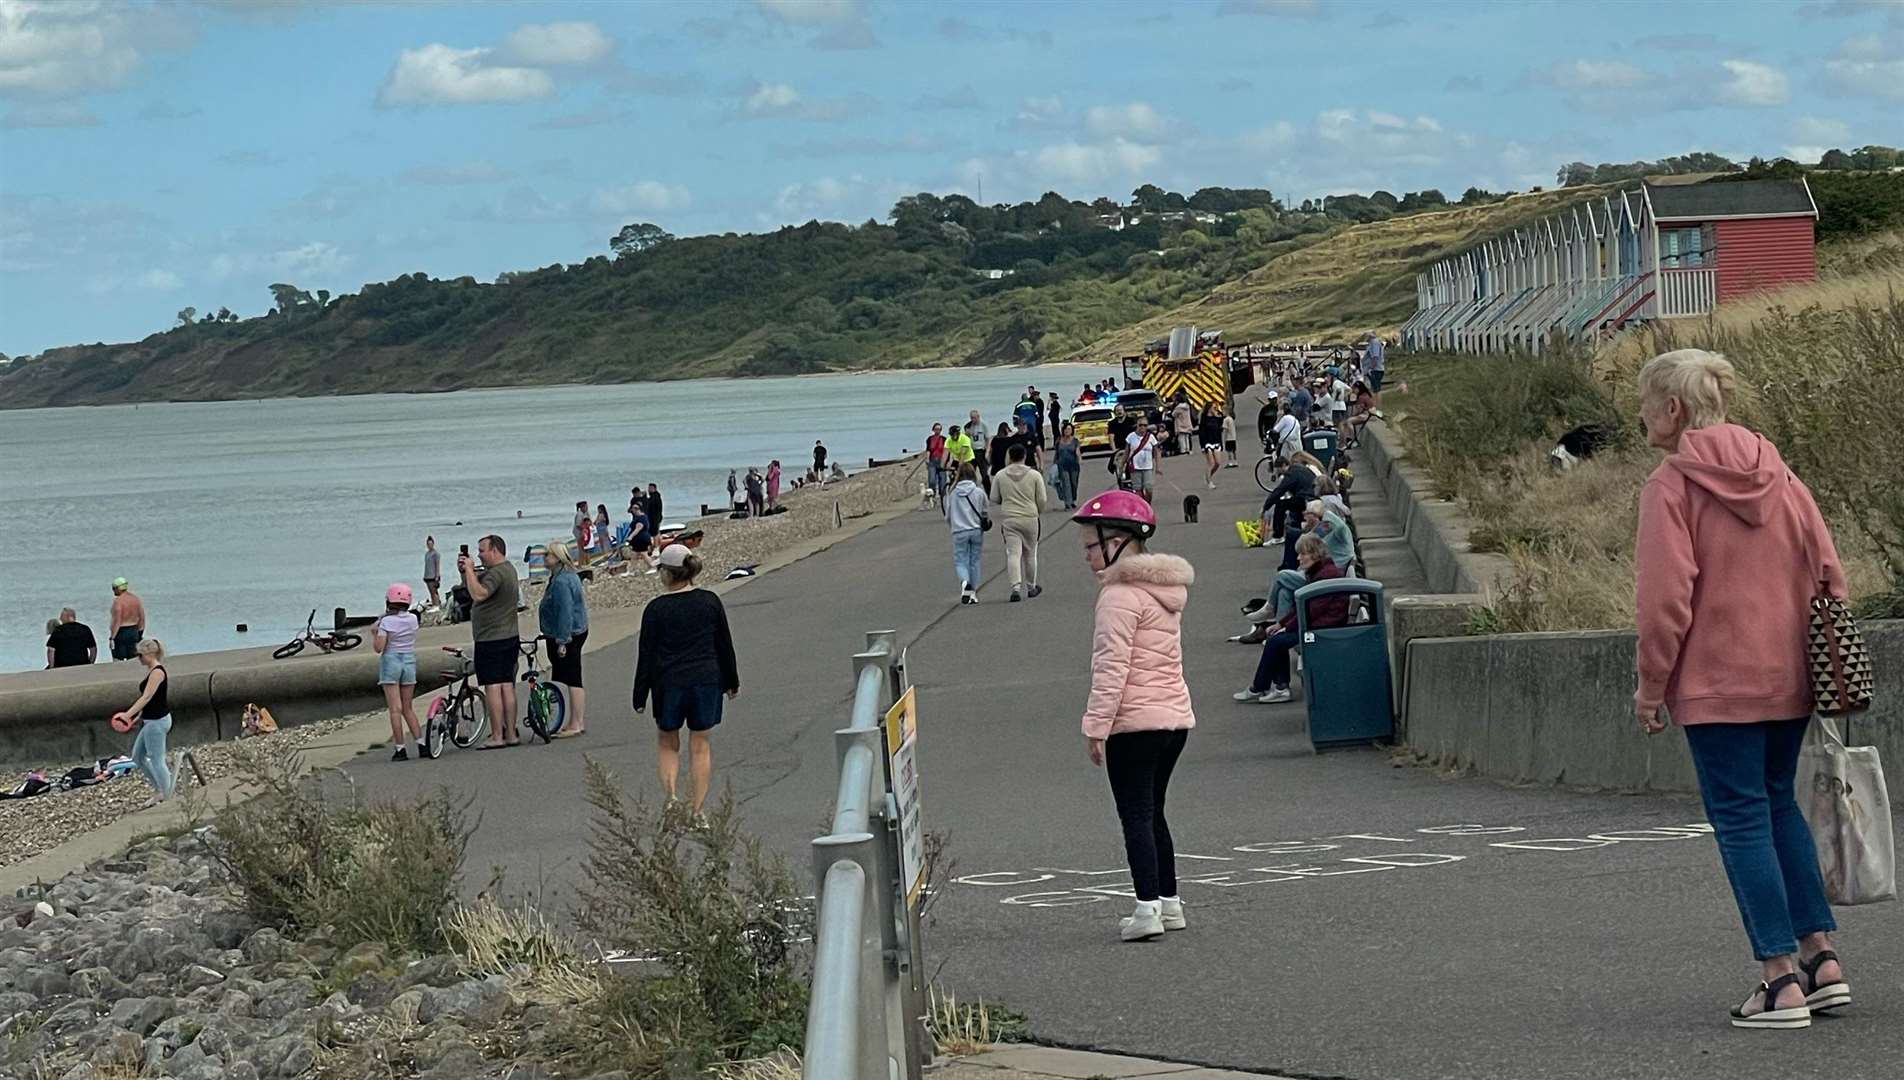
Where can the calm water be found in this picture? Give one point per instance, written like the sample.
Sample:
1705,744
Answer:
257,512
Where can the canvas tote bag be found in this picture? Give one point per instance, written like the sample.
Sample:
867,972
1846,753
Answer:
1841,792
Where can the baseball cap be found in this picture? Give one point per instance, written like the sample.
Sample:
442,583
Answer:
121,583
675,556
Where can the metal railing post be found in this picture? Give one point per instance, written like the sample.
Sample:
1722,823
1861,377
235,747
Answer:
846,1031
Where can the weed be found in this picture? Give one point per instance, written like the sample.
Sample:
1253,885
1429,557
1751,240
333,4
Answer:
302,858
782,1064
962,1027
520,944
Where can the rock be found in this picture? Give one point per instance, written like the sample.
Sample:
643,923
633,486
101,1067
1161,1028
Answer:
82,1071
527,1070
404,1007
236,1003
120,1048
227,929
242,1070
456,1063
176,1031
430,971
264,946
72,1018
285,1056
46,982
123,867
372,991
141,1015
197,975
95,982
479,1003
366,957
614,1074
282,997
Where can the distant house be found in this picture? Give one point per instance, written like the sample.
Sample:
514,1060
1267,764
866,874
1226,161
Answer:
1655,251
994,275
1113,222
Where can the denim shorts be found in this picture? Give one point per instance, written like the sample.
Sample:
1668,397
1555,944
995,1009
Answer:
396,669
699,707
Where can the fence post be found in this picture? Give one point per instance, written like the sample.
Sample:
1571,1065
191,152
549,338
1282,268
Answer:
848,862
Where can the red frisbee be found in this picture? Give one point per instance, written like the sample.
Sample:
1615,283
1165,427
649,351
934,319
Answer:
121,723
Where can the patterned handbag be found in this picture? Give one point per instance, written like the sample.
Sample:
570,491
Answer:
1841,675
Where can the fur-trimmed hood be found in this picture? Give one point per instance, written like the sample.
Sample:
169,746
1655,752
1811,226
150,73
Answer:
1165,577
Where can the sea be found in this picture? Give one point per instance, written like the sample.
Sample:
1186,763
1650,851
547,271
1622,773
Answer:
256,512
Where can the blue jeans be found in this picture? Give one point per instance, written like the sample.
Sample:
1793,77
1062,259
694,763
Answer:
148,752
1282,591
1746,773
1068,485
1272,671
966,546
935,476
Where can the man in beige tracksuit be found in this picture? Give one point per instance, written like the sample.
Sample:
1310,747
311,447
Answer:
1018,491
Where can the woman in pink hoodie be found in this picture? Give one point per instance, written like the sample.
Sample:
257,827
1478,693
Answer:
1138,716
1731,551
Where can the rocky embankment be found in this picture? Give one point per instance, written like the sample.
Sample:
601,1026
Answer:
146,967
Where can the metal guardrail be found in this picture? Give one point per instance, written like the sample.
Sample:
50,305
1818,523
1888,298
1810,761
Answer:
866,1015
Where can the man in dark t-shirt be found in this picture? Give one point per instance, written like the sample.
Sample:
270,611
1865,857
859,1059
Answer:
71,643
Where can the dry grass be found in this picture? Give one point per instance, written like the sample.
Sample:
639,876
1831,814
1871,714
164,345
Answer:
782,1064
1353,280
543,963
961,1027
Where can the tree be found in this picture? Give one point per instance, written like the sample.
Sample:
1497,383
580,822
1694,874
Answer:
225,315
637,238
1422,200
186,315
1475,196
1104,207
323,297
1386,200
1835,158
288,298
1149,197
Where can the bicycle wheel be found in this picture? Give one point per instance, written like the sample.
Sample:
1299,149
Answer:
467,719
435,730
558,708
288,649
537,714
1266,474
342,641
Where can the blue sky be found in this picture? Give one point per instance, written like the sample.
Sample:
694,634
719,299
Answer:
192,152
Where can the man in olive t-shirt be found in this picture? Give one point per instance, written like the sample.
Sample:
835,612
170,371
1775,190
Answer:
491,581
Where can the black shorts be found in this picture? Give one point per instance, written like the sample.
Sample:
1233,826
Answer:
567,670
1229,445
699,707
1375,381
496,661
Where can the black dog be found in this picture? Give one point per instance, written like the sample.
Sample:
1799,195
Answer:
1190,503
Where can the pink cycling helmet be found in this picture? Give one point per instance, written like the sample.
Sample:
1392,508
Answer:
398,594
1118,509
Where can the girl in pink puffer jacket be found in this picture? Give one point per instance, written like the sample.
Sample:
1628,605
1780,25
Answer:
1138,716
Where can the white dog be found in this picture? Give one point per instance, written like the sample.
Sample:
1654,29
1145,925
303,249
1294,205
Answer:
928,498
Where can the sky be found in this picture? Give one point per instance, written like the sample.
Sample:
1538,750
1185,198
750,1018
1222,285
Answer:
158,155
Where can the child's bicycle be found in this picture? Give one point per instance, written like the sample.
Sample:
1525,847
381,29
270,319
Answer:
547,708
458,716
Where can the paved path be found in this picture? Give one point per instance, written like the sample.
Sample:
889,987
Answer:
1350,918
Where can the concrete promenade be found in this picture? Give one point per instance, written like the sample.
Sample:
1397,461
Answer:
1350,918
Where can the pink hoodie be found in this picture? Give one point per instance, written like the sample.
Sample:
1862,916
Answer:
1724,584
1137,649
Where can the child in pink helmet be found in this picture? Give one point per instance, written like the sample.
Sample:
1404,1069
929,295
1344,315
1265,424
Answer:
1138,716
395,642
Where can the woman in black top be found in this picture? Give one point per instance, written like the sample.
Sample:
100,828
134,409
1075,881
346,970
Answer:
152,712
1210,437
685,658
1001,443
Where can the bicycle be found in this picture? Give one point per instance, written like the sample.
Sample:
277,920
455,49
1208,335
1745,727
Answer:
459,715
328,641
546,707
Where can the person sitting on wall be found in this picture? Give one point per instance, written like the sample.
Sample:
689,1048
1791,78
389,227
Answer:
1270,685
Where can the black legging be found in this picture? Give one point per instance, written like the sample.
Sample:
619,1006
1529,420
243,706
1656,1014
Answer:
1139,765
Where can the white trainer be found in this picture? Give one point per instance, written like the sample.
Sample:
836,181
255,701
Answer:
1276,696
1244,695
1145,923
1173,913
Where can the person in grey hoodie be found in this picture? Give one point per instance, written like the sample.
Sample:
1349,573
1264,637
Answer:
966,511
1019,491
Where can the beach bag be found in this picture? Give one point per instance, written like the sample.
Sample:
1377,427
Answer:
1842,680
1250,532
1842,794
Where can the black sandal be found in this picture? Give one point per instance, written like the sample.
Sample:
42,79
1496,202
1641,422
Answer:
1771,1016
1823,997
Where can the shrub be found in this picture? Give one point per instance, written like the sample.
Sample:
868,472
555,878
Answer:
718,920
304,858
1485,409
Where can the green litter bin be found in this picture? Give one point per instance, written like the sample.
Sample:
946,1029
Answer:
1345,672
1321,443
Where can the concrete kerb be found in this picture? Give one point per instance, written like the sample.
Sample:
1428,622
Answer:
607,630
1435,528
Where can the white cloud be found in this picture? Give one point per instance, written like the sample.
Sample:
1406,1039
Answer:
438,74
160,281
561,44
317,258
51,114
812,12
1581,75
1869,65
1137,121
457,172
1751,83
65,48
643,196
772,99
1082,163
1820,130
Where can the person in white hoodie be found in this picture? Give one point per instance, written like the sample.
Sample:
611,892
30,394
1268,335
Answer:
968,512
1019,491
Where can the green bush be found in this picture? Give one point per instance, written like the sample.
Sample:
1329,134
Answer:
1483,410
303,858
721,921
